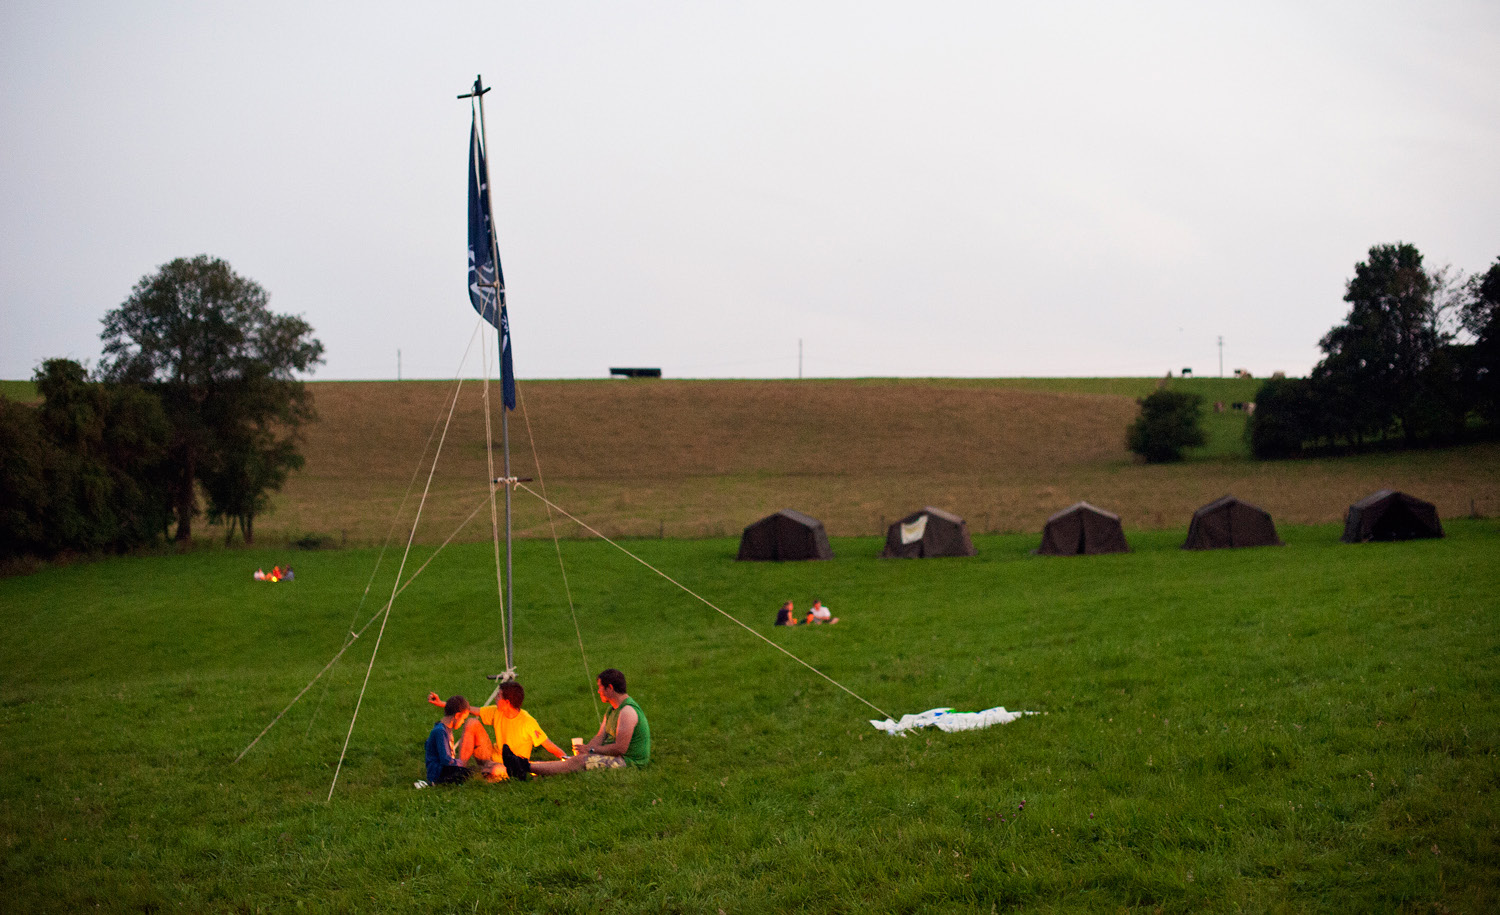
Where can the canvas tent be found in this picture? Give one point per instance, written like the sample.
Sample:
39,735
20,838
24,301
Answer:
786,535
1083,529
1388,515
929,532
1228,522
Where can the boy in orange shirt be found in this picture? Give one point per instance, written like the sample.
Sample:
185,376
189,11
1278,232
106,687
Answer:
513,728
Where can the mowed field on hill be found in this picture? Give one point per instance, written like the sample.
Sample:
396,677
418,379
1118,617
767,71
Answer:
705,458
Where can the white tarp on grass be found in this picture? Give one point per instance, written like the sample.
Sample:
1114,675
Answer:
947,720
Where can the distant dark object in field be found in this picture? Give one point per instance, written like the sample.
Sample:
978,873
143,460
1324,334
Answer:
636,373
1228,522
927,533
1388,515
1083,529
786,535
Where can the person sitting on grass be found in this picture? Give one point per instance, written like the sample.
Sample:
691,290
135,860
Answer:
820,614
443,768
624,737
513,728
784,616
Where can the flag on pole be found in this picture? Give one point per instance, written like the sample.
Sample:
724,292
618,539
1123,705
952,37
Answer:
507,373
486,281
484,291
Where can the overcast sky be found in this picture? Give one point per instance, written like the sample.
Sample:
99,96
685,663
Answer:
912,189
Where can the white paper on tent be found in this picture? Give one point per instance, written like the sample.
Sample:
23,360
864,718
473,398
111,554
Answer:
911,533
948,721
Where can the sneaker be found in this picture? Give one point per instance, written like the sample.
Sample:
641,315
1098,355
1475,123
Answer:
515,766
419,784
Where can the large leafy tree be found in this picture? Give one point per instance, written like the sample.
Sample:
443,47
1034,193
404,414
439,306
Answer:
25,459
111,476
224,365
244,469
83,471
1481,318
1376,371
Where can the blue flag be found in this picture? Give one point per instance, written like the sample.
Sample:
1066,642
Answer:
507,373
486,281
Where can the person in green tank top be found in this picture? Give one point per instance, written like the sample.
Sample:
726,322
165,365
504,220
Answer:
624,737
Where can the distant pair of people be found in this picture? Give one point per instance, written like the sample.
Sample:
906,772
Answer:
787,615
624,737
275,574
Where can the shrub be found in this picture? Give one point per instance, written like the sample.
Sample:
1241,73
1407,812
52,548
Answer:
1168,423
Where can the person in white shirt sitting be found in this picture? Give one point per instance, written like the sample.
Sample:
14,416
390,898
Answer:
820,614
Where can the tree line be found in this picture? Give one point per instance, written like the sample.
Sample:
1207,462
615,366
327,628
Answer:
1416,361
197,393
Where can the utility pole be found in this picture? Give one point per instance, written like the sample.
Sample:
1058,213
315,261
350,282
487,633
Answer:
799,358
398,363
1221,355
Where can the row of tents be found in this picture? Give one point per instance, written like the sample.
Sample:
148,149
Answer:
1084,529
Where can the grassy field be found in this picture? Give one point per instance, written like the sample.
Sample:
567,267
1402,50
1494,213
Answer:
1306,728
705,458
23,391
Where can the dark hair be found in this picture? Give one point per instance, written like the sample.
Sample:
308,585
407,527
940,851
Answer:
613,679
513,693
455,704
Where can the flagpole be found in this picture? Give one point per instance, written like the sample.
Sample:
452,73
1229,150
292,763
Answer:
501,335
510,598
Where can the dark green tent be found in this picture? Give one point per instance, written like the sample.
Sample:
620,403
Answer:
1083,529
786,535
1228,522
929,532
1389,515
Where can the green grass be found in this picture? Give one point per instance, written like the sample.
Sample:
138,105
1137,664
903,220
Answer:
23,391
1304,728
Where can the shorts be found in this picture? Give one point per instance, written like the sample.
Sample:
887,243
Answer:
604,762
453,775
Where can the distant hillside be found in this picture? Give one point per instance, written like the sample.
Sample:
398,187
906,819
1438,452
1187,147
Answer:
701,458
23,391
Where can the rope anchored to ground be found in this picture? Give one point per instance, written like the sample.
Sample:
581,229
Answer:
562,511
